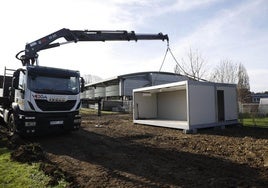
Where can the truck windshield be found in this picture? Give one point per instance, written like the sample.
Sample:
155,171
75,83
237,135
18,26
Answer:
54,85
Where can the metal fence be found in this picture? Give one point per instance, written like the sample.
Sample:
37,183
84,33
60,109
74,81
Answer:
253,114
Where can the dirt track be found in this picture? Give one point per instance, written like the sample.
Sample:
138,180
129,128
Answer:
121,154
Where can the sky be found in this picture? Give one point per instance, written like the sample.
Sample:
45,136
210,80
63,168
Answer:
218,29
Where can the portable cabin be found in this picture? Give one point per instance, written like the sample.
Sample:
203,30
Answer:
263,106
187,105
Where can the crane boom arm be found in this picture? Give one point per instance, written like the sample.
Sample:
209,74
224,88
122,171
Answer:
31,49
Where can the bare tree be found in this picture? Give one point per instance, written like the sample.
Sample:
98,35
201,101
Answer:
91,78
243,87
225,72
193,65
229,72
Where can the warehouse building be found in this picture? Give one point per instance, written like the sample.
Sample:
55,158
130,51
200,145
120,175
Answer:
187,105
116,93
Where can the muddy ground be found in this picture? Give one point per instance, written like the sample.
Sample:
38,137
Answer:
121,154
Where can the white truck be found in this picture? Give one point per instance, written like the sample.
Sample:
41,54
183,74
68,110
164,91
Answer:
39,99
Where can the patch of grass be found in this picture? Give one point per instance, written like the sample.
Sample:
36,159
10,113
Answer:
15,174
87,111
259,122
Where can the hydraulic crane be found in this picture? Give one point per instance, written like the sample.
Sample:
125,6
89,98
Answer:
42,99
31,49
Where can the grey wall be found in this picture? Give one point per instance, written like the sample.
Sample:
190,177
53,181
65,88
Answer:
172,105
202,105
130,84
230,102
146,106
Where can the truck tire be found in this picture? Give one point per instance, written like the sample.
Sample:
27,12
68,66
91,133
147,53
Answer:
2,122
11,124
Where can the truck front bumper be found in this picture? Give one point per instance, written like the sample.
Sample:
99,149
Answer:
39,123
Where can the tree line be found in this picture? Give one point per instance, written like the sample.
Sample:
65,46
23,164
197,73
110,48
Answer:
195,66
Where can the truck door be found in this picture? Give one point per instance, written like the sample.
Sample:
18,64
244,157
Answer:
18,87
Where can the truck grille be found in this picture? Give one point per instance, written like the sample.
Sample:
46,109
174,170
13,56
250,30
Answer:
55,106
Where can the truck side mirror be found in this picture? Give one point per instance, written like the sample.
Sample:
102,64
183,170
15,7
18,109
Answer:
82,87
16,84
15,79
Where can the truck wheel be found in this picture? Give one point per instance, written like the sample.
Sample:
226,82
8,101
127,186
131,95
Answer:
2,122
11,123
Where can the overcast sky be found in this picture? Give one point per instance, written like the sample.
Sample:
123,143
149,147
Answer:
219,29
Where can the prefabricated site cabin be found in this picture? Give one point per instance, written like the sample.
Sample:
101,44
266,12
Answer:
263,106
187,105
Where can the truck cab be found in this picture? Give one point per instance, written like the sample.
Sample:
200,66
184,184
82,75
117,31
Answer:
44,99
